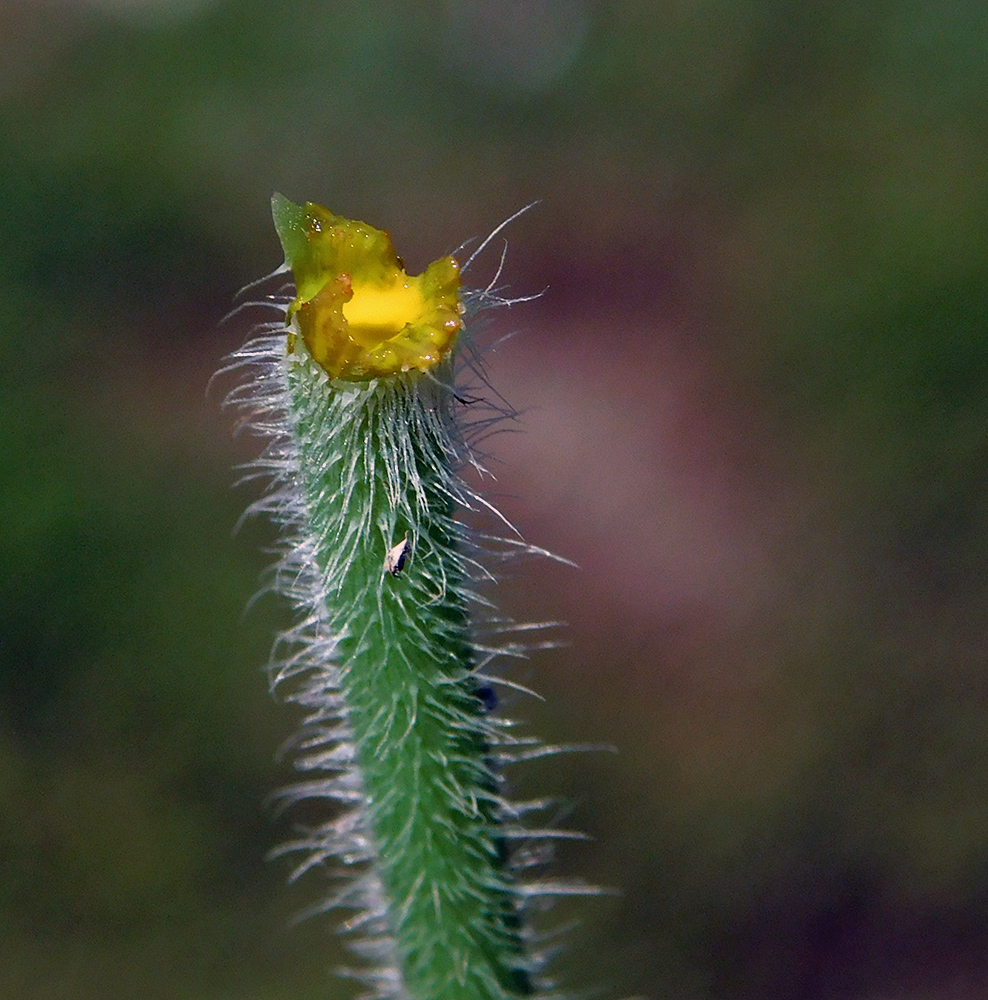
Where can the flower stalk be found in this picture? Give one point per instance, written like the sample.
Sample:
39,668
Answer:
352,383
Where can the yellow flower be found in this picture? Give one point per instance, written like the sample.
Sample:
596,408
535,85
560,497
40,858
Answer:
360,315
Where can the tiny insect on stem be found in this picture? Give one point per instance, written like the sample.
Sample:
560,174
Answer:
394,561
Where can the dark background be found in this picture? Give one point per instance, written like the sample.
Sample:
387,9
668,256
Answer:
756,393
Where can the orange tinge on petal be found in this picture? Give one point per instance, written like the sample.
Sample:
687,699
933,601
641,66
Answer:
359,314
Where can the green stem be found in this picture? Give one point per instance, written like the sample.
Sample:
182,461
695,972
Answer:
375,468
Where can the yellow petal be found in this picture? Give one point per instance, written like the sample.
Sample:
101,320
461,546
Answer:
360,315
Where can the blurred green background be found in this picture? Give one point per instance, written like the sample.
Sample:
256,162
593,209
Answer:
756,393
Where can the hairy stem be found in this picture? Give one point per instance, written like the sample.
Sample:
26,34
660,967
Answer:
375,469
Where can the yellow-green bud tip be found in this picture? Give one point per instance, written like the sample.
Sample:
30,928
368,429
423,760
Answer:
360,315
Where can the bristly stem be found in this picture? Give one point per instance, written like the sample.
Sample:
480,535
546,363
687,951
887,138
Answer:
356,395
